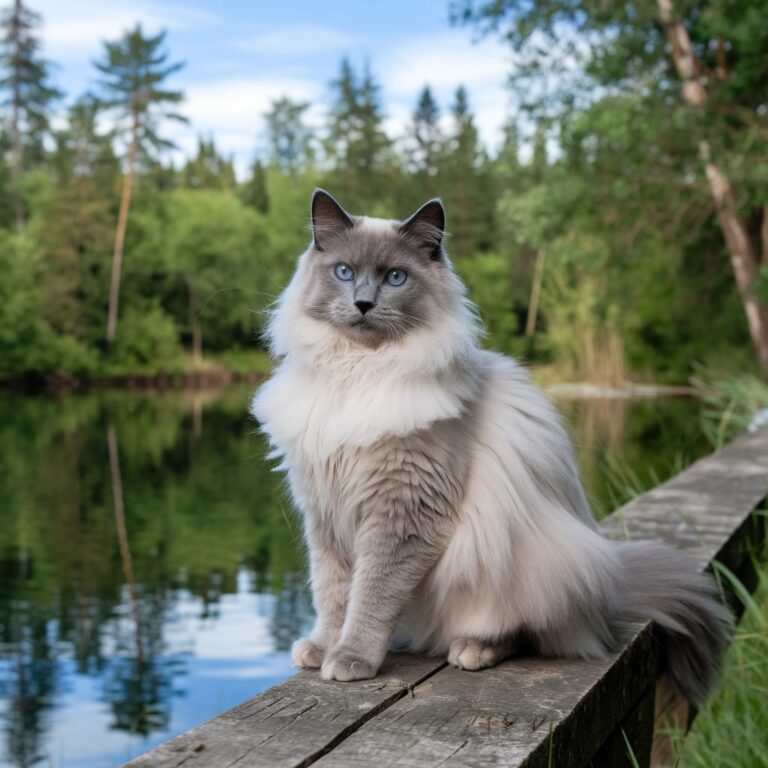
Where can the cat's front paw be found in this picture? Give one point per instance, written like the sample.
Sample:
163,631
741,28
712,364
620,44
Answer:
345,665
306,654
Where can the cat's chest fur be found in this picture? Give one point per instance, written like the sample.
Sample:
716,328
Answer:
339,428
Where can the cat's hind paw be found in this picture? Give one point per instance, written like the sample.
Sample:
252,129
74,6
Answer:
472,655
345,666
306,655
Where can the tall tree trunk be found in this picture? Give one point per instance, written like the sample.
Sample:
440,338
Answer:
122,225
743,250
533,304
17,157
197,330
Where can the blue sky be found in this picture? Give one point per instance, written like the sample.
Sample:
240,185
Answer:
242,55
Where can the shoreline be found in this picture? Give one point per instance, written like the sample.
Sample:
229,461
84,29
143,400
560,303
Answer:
218,378
63,384
628,391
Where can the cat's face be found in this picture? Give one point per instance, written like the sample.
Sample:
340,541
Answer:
375,280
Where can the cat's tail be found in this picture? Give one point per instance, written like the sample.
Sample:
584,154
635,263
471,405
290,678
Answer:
664,585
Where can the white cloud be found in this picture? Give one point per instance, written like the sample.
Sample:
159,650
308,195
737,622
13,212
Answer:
72,26
232,111
445,62
299,40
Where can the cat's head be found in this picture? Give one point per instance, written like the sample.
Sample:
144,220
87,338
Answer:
375,280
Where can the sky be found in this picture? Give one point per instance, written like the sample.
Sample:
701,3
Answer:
241,55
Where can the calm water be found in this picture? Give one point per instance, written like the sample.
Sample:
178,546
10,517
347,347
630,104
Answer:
151,574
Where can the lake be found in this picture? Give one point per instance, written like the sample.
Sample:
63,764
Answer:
151,570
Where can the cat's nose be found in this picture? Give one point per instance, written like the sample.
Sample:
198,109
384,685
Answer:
364,306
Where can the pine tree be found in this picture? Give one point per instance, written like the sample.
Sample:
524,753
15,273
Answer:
25,78
427,138
75,232
290,139
253,192
134,70
466,181
208,169
356,144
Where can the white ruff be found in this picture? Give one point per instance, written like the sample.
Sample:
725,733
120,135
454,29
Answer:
328,392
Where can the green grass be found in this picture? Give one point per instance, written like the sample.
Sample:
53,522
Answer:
729,405
732,730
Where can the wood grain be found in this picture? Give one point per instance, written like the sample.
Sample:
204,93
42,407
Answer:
293,723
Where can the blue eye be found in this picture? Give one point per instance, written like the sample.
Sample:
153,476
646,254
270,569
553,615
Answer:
396,276
343,272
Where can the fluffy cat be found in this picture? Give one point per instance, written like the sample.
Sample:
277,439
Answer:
441,500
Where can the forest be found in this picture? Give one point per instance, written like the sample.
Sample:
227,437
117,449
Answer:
619,232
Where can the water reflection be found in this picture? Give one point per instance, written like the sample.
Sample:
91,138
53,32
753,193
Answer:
151,573
148,578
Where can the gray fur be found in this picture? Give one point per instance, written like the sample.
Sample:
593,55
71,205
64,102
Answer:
664,585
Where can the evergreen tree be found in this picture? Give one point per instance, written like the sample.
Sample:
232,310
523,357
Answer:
208,169
134,70
466,182
356,144
373,142
6,190
75,232
24,76
427,138
253,192
290,139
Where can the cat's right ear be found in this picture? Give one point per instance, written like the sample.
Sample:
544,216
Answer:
328,218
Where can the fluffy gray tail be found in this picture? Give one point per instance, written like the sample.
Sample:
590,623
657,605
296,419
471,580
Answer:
665,585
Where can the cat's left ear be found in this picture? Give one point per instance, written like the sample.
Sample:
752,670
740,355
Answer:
426,228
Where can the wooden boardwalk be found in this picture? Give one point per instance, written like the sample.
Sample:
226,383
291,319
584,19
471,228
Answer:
526,712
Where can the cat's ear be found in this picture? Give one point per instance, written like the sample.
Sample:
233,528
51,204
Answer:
426,228
328,218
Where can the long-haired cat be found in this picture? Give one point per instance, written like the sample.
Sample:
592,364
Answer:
441,500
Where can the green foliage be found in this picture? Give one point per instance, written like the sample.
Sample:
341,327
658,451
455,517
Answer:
487,278
599,183
150,343
210,242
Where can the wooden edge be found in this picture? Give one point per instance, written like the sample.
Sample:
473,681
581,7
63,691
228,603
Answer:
294,723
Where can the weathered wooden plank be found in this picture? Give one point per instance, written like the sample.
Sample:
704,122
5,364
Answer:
631,743
671,713
506,716
292,723
526,712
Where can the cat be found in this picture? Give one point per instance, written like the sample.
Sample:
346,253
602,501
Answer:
442,505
